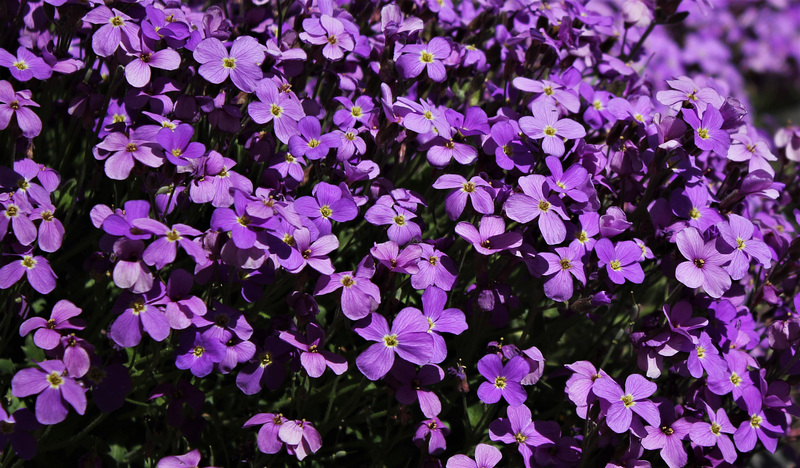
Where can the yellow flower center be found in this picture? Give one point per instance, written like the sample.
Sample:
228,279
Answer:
500,382
615,265
28,262
735,379
399,220
119,118
390,341
549,131
701,352
433,260
313,143
116,21
276,110
565,264
548,90
288,240
356,111
716,429
582,237
694,213
468,187
426,57
520,437
173,235
138,307
177,152
702,133
667,430
289,158
332,40
131,148
740,243
12,211
21,65
699,262
544,205
627,400
55,379
428,115
326,211
198,351
229,62
348,281
755,421
244,220
597,104
266,359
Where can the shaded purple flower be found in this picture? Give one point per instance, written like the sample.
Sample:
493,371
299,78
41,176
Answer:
191,459
625,407
25,65
15,104
621,260
412,386
692,203
569,182
266,370
503,380
737,234
408,338
417,57
546,124
704,265
163,250
55,388
242,64
537,202
491,236
519,429
198,353
62,317
433,431
177,144
313,358
486,456
16,429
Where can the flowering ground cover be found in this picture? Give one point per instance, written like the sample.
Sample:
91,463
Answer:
424,233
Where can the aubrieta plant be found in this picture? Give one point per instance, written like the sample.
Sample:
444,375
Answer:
418,233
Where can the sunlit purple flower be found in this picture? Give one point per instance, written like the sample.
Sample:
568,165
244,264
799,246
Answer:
62,317
737,234
242,64
433,431
15,104
300,437
476,190
715,433
417,57
138,313
704,265
267,439
198,353
311,143
115,23
757,426
546,124
435,268
408,339
280,108
56,390
25,65
537,202
518,429
121,151
621,260
329,31
668,436
486,456
627,406
491,236
708,134
562,265
137,71
359,295
35,268
329,202
503,380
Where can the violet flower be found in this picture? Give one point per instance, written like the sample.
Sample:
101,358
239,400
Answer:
503,380
300,437
177,144
704,265
35,268
359,295
491,236
757,426
715,433
476,190
737,234
545,124
562,265
408,339
137,71
621,260
283,109
313,358
417,57
198,353
329,31
668,436
329,202
625,407
62,317
536,202
433,431
106,40
25,65
15,104
56,390
311,143
440,320
435,269
401,227
242,64
486,456
412,386
708,134
121,152
267,438
138,313
16,430
518,429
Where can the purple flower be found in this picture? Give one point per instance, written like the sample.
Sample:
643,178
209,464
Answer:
283,109
313,358
562,265
16,429
359,296
536,202
266,370
16,211
621,261
486,456
267,438
242,64
546,124
408,338
580,384
62,317
198,353
106,40
756,427
623,405
177,146
704,356
315,253
130,272
757,153
737,234
139,313
164,249
503,381
435,269
714,433
412,385
668,436
518,429
121,151
329,31
704,265
434,432
35,268
56,389
571,182
692,203
25,65
491,236
329,202
708,134
311,143
476,190
684,89
389,255
440,320
137,71
549,92
51,231
300,437
401,229
417,57
179,461
360,111
16,104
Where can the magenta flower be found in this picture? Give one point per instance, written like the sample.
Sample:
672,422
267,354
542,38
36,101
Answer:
313,358
177,144
562,265
715,433
503,381
417,57
329,202
704,265
476,190
668,436
360,111
115,23
179,461
486,456
25,65
621,260
433,431
440,320
545,124
537,202
329,31
311,143
757,426
198,353
138,313
300,437
401,227
390,256
692,203
580,384
62,317
51,231
164,249
708,133
242,64
625,407
359,296
56,390
267,438
35,268
490,237
569,182
15,104
435,269
408,339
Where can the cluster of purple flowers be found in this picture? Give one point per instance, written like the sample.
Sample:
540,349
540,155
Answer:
413,224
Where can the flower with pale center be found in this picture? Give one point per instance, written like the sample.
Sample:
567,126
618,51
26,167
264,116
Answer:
390,341
229,62
426,57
